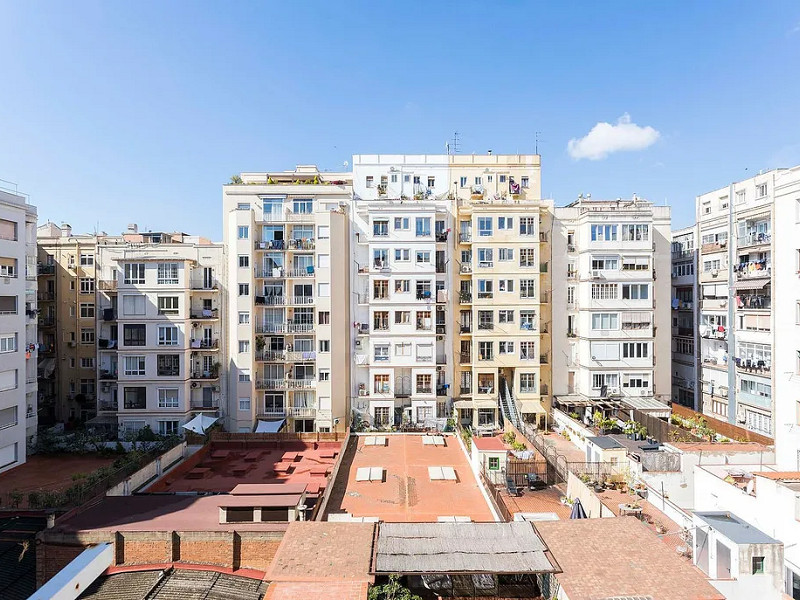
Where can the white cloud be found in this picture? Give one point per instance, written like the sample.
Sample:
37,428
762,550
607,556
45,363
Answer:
605,138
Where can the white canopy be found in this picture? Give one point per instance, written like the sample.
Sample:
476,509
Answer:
200,424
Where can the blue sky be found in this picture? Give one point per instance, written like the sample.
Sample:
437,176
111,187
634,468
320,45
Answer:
114,112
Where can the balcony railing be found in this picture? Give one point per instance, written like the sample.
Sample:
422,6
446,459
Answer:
204,404
204,375
284,356
46,269
753,270
307,244
46,296
301,412
465,238
465,297
107,405
281,273
286,384
270,244
107,284
211,344
107,375
272,412
284,327
466,267
441,236
466,328
754,239
465,390
204,313
270,300
754,302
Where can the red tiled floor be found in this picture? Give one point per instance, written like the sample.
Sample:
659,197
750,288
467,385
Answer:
323,590
407,493
539,501
50,471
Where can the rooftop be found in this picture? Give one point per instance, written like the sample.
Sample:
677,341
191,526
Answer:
606,442
318,590
723,447
538,501
174,583
162,512
493,443
317,551
734,528
49,472
427,548
641,565
222,466
18,555
405,490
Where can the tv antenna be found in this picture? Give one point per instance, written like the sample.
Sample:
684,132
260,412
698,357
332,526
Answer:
454,148
536,142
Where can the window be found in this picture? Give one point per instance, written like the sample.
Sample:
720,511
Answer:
135,398
505,347
571,294
167,428
87,310
505,285
485,257
402,286
324,317
243,232
423,257
527,257
605,321
485,383
485,320
641,263
527,288
599,380
638,349
424,383
168,398
168,274
243,206
381,352
636,380
87,260
604,233
527,226
244,261
527,350
423,226
244,346
524,182
323,232
380,384
505,222
324,345
134,274
244,289
485,350
87,285
505,254
761,190
402,349
758,564
485,288
134,365
505,316
8,230
423,320
8,343
244,376
758,422
244,317
380,289
604,291
494,463
167,335
604,351
401,223
605,263
484,226
380,258
402,317
402,254
87,363
87,336
756,388
635,233
323,290
324,374
380,227
168,305
133,305
635,291
527,383
244,403
462,182
168,365
527,320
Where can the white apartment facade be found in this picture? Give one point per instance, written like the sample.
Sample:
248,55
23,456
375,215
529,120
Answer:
401,279
748,252
159,312
611,274
18,328
684,330
286,236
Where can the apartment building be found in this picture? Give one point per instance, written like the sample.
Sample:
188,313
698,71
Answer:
286,236
502,284
748,251
67,282
18,328
401,280
612,276
684,330
157,330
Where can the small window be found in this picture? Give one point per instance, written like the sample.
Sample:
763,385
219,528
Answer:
244,403
323,232
244,261
244,289
244,346
758,564
494,463
243,232
244,318
324,345
324,317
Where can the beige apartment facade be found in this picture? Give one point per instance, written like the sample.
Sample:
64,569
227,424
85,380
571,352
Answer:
286,235
501,289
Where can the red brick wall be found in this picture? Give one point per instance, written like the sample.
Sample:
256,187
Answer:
141,548
731,431
258,549
206,548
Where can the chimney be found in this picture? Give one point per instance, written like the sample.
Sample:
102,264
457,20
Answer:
66,230
132,228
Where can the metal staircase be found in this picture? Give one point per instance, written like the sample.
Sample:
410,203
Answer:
507,405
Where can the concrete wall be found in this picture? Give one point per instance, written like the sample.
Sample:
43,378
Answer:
576,489
149,472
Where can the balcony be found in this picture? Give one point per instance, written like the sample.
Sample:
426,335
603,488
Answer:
465,238
289,327
465,328
714,247
301,412
204,375
107,375
273,300
466,268
749,365
426,295
270,245
205,344
754,239
759,269
465,358
286,384
204,314
465,297
441,236
204,404
302,244
46,269
46,296
107,405
107,285
47,322
441,328
754,302
272,412
284,356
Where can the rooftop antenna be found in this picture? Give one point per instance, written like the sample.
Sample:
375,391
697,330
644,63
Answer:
447,148
536,143
455,147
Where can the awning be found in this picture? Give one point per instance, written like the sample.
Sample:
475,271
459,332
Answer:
462,404
648,405
531,406
270,426
200,424
752,284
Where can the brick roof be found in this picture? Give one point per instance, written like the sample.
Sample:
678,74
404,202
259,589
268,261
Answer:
489,443
779,475
323,551
606,558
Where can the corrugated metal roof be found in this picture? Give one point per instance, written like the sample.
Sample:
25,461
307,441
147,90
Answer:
460,548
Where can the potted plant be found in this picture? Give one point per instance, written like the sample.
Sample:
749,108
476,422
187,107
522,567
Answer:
260,343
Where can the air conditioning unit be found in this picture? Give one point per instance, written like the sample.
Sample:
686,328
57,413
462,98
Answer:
215,388
714,272
440,337
358,344
613,391
644,393
439,368
597,274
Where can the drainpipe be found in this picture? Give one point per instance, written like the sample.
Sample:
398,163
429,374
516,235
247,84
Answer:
731,315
